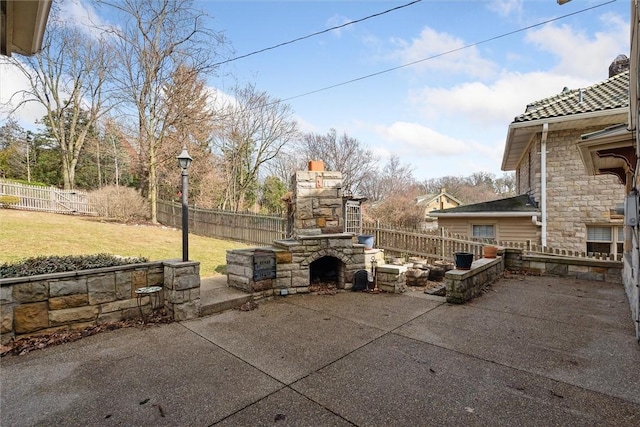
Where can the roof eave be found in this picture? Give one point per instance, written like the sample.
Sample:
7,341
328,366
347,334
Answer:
634,77
495,214
513,155
24,26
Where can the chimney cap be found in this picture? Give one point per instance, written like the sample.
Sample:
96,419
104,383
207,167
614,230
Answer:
316,165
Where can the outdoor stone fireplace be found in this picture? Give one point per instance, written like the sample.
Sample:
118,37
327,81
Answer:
318,251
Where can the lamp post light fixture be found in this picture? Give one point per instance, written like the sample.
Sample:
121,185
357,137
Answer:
184,160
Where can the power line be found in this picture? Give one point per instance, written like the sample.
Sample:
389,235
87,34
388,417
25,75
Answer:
317,33
447,52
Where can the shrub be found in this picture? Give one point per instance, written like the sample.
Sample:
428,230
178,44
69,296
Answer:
60,264
6,201
120,203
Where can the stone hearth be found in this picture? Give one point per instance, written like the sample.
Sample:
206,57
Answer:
317,251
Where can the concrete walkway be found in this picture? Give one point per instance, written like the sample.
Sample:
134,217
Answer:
531,351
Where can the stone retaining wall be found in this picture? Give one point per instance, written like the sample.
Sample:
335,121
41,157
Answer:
463,285
550,265
74,300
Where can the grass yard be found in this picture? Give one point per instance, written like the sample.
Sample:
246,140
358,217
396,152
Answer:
25,234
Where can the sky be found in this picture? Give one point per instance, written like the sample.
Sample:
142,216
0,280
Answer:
477,64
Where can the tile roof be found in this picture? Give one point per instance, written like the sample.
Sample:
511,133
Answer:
609,94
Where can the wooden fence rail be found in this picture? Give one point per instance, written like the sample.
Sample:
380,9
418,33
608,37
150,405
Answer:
47,199
432,245
264,229
242,227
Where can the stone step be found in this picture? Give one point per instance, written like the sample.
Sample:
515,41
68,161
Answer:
216,296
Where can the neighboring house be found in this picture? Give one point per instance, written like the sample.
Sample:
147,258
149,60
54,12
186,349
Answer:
22,26
436,201
514,219
575,210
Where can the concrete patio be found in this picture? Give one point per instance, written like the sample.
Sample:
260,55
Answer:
529,351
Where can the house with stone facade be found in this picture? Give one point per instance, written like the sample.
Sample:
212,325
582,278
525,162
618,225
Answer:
569,207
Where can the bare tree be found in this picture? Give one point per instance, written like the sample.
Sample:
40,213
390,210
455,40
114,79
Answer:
345,154
395,178
255,127
476,188
190,122
505,186
286,164
398,208
67,78
154,39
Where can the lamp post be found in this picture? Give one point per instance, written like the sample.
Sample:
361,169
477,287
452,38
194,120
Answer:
184,160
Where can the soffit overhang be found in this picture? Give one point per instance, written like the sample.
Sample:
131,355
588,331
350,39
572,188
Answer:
22,26
521,134
497,214
610,151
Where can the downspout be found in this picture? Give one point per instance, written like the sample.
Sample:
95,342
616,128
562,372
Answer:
543,183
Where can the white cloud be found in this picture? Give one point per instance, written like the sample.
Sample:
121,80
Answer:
431,43
220,99
335,21
408,138
580,55
306,126
506,7
81,15
496,103
11,83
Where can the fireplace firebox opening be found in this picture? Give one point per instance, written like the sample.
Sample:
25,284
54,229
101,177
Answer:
327,270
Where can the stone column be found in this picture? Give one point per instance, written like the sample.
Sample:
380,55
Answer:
182,289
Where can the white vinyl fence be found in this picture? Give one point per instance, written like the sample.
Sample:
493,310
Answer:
45,199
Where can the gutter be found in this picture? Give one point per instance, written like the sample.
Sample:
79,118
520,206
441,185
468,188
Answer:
532,215
543,184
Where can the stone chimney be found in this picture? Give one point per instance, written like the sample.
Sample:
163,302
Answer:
620,64
317,201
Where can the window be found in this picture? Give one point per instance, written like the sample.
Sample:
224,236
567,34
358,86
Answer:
605,239
484,231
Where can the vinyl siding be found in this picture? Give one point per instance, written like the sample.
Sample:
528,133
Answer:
519,229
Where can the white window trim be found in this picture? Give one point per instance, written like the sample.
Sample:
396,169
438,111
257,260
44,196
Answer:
613,243
494,224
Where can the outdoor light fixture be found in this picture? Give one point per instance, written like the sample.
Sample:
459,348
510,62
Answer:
184,160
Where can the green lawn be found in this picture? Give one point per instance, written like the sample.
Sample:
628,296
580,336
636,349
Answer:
25,234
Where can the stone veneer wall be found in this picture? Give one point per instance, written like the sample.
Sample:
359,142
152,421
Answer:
391,278
317,202
464,285
74,300
631,280
578,268
293,260
573,197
